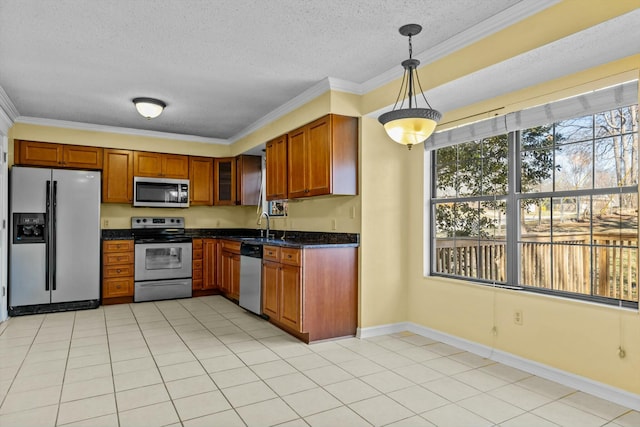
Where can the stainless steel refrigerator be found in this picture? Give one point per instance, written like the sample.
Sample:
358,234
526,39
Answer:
55,240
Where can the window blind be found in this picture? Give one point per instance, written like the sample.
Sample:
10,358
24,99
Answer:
587,103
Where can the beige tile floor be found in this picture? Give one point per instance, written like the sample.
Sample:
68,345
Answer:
206,362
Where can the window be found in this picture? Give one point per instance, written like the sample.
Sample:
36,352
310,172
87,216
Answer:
550,208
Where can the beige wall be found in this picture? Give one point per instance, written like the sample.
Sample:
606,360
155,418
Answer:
577,337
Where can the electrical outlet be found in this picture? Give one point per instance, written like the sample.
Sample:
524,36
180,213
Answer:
517,317
106,223
334,225
352,214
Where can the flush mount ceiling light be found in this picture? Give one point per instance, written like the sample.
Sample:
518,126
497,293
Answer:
149,108
411,125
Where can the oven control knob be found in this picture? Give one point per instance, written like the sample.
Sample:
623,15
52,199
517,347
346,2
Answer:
144,220
173,220
138,221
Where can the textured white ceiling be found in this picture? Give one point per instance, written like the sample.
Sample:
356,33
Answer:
219,65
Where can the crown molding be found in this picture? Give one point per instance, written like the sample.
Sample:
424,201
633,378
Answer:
6,105
484,29
8,112
345,86
119,130
313,92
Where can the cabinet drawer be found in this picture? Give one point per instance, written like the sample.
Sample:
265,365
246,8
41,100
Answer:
231,246
197,254
117,287
271,253
197,244
118,271
196,284
196,274
117,246
118,258
291,256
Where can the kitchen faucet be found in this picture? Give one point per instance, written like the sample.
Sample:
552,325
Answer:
266,215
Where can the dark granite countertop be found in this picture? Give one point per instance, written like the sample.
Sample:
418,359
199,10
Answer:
295,239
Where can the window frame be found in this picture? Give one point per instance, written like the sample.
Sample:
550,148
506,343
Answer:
513,199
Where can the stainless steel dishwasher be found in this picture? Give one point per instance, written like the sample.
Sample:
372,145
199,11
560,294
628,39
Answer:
251,277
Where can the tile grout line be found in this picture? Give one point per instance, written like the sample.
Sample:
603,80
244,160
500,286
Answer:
23,360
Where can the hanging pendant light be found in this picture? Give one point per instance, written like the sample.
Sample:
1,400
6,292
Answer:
149,108
411,125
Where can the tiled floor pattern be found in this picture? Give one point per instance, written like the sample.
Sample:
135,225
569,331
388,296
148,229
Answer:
206,362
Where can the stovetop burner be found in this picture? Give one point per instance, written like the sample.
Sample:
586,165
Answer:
158,230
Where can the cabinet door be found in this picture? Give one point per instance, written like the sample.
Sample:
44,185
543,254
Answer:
296,154
209,264
318,158
147,164
276,168
225,276
270,288
117,176
78,156
248,180
32,153
201,181
175,166
291,297
224,181
234,292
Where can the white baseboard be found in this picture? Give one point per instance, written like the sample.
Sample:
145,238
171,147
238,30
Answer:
604,391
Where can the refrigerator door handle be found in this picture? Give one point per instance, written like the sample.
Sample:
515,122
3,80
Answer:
54,219
47,273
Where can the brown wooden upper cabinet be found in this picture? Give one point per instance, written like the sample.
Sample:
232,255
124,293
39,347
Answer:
276,168
322,157
34,153
201,181
160,165
117,176
237,180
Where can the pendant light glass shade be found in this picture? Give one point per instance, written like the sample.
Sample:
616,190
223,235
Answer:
149,108
410,126
413,125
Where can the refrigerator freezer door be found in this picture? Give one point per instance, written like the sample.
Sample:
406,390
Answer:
28,189
77,236
27,281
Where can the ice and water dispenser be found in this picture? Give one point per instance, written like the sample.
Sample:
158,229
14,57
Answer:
29,228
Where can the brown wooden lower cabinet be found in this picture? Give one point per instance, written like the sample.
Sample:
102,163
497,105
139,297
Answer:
204,277
311,292
230,266
117,271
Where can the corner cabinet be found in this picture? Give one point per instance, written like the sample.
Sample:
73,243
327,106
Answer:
305,298
117,176
237,180
276,168
322,158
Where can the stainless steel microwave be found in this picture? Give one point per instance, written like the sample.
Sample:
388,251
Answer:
160,192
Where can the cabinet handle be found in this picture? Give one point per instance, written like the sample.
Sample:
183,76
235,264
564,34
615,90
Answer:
118,271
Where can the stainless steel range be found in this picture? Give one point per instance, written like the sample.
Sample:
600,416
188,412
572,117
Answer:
162,258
